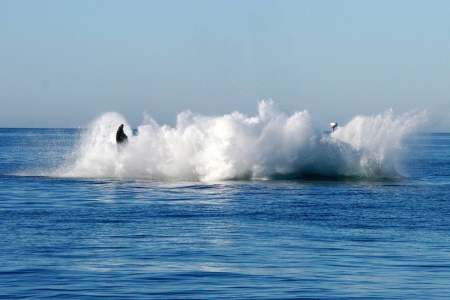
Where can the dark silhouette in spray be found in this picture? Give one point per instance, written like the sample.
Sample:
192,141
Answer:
121,137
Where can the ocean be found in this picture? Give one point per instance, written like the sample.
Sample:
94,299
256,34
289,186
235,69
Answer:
74,225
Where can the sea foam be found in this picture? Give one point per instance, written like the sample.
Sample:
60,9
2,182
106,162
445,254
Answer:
235,146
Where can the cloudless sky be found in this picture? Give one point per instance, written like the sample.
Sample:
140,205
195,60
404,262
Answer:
62,63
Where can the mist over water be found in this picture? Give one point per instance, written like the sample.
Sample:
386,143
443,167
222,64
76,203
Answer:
271,144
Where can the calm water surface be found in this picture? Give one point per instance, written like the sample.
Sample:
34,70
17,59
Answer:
110,239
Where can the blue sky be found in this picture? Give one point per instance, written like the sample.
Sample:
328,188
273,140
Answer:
62,63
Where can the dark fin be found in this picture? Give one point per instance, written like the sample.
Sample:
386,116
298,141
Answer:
121,137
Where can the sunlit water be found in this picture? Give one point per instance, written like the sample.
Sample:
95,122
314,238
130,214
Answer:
100,238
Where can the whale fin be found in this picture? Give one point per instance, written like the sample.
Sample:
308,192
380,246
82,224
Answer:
121,137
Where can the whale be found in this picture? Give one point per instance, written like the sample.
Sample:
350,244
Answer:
333,126
121,137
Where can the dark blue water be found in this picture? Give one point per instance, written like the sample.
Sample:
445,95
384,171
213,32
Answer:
109,239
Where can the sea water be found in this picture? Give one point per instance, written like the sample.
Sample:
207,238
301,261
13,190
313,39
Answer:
227,207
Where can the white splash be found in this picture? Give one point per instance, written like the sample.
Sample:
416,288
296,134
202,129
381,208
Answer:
271,144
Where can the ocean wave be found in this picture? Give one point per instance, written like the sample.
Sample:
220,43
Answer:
271,144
